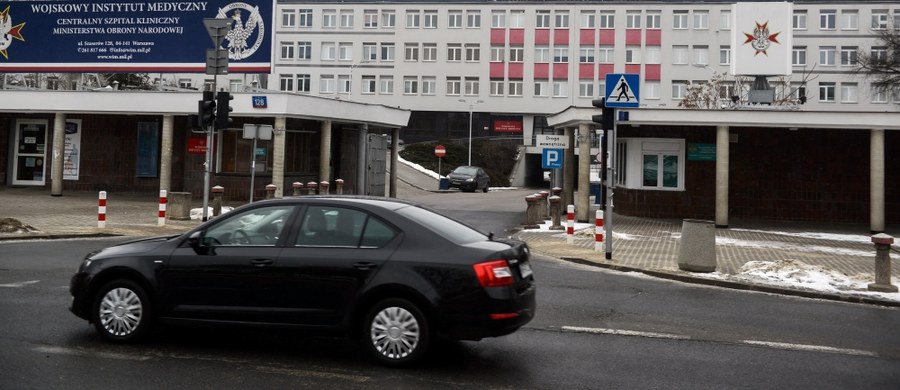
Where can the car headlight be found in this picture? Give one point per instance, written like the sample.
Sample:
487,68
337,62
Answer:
469,180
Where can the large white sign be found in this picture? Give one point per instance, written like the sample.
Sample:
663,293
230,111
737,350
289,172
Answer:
761,39
551,141
72,150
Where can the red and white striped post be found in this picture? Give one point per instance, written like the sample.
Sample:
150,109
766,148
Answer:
101,210
598,232
570,224
163,199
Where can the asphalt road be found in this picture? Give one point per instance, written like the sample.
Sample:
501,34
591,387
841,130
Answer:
594,329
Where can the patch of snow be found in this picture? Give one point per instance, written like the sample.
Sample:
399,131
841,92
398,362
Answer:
198,212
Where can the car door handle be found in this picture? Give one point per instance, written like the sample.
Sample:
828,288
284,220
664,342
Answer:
364,266
261,262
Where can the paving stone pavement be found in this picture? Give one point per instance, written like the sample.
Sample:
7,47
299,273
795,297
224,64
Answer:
639,244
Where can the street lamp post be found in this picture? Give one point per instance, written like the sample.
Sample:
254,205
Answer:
471,107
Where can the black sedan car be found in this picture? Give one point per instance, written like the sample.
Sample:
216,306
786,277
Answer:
391,273
469,179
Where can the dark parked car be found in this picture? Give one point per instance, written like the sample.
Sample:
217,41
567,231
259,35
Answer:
469,179
391,273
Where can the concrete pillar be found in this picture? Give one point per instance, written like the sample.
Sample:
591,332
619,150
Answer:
568,193
278,155
325,152
270,191
555,213
395,146
582,204
876,181
362,147
59,149
723,139
165,155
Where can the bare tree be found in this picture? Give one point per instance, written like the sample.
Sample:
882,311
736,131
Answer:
882,64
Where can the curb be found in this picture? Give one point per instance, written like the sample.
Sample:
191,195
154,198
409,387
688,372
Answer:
57,236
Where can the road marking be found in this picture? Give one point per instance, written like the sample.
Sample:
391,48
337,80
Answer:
810,348
82,352
20,284
620,332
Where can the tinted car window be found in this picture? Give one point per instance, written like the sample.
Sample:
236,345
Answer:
338,226
259,227
446,227
377,234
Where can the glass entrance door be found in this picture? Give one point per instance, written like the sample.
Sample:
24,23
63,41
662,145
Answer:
31,152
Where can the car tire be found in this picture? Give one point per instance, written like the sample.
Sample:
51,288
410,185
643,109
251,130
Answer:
121,311
485,188
396,332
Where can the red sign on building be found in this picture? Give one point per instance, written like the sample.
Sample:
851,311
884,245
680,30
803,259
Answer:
197,145
508,127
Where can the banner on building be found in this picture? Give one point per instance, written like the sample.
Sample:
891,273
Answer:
508,126
72,149
761,39
131,36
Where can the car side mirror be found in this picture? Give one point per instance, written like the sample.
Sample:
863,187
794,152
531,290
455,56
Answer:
195,241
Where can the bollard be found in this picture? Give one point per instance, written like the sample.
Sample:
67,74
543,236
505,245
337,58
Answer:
101,210
556,191
598,231
218,192
545,205
163,197
298,188
570,224
311,186
555,213
323,188
882,264
339,186
697,251
530,220
270,191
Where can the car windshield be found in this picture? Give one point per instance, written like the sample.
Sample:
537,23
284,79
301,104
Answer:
447,227
465,170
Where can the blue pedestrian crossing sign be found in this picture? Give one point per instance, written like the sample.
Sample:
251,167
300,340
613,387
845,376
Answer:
623,90
551,158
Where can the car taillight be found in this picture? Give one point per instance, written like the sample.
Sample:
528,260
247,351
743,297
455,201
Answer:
494,273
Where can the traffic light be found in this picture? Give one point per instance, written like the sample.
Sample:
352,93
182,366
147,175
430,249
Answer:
223,108
607,119
207,110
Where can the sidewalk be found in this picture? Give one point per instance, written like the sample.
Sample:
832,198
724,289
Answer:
638,244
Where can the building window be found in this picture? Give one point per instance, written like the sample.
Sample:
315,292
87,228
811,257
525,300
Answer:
850,20
799,20
329,18
679,89
368,85
304,50
185,83
701,20
880,20
680,21
234,159
542,19
429,52
660,169
607,55
410,85
498,19
653,55
346,18
413,18
370,18
724,55
586,89
588,19
498,54
386,85
473,19
455,19
370,51
633,19
826,92
472,86
429,85
454,52
454,86
879,95
650,90
632,54
798,56
849,55
304,83
431,19
326,84
540,88
515,88
516,54
849,93
328,51
680,55
827,19
345,51
827,55
725,20
560,88
286,82
496,87
473,52
288,18
879,54
388,18
287,50
561,19
541,54
561,54
653,19
344,84
701,55
387,51
517,19
607,19
586,55
411,52
306,17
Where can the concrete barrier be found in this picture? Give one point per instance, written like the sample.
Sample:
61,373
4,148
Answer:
697,249
179,206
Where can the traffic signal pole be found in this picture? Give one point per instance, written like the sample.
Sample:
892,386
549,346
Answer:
216,64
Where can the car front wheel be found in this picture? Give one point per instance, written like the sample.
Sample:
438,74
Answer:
121,311
396,332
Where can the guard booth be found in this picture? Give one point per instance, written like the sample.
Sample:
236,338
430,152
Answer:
376,164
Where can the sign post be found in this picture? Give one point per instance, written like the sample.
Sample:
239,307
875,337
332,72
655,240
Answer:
440,151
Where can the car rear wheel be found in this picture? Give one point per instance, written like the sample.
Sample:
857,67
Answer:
121,311
485,188
396,332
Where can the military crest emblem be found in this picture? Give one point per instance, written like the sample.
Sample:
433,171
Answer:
760,40
246,32
9,32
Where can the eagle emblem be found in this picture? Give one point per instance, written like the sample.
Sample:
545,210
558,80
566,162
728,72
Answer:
240,37
8,32
760,40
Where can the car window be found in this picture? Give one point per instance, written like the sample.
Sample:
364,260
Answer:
343,227
447,227
465,170
256,227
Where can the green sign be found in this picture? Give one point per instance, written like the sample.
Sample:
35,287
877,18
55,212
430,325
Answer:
261,152
701,152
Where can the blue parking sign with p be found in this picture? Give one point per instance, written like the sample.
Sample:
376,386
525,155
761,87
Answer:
551,159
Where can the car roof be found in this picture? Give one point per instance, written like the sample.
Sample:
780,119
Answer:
379,201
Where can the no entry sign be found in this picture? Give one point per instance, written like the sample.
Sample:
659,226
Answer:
440,151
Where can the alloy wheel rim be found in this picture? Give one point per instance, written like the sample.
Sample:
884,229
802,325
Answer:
395,332
121,311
